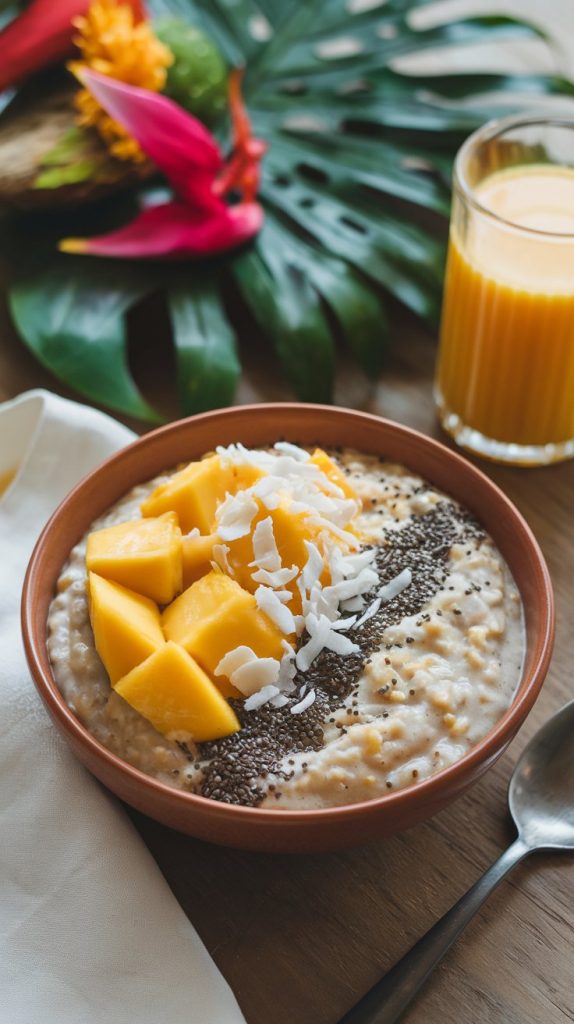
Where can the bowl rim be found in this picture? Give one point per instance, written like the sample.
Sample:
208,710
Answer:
486,749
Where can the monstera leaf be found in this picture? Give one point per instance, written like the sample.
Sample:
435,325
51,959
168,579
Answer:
355,182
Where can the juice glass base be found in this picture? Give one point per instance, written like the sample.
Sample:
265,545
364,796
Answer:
499,451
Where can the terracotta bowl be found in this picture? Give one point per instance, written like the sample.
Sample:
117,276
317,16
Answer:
283,830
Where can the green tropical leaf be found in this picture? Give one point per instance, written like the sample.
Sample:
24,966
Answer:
357,309
285,304
206,352
71,315
356,191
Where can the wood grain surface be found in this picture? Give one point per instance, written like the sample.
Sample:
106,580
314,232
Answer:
301,938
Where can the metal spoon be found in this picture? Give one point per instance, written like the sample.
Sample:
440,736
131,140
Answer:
541,801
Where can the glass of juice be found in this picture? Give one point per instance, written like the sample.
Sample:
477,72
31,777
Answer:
505,375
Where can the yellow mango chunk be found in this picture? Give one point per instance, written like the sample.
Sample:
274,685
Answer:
195,492
216,615
335,475
171,690
197,555
290,531
126,626
144,555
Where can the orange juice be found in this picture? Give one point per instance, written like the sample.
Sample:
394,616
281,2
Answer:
506,359
6,479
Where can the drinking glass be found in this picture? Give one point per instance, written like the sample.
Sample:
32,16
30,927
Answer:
505,374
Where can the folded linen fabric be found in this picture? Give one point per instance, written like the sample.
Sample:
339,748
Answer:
89,930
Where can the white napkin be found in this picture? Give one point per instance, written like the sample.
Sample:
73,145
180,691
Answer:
89,930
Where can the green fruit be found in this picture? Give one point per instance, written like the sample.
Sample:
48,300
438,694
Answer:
197,79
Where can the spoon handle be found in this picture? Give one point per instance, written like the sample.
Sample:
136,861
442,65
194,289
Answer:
389,997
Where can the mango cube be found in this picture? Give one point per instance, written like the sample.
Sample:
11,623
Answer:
335,475
290,531
144,555
171,690
197,555
214,616
126,626
195,492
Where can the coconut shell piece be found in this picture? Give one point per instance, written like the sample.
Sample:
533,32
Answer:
47,162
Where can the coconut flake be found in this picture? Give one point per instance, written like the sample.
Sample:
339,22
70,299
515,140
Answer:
246,671
308,700
339,510
254,675
395,586
299,624
342,565
313,566
321,636
274,609
345,535
235,659
343,624
371,610
353,586
350,565
263,696
235,515
341,644
275,579
239,455
269,489
321,601
220,553
287,670
318,627
265,547
292,449
279,701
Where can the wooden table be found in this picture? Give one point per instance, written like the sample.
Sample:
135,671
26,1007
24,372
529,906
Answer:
301,938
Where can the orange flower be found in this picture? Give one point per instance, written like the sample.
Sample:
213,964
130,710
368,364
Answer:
112,44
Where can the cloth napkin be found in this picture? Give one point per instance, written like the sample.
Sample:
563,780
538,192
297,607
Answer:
89,930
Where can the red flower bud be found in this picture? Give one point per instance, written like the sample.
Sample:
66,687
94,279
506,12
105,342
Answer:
43,35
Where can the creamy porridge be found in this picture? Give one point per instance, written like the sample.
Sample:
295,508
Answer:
428,657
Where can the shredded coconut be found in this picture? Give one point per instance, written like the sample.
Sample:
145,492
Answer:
321,636
246,671
292,449
233,660
395,586
371,610
297,709
220,553
254,675
265,547
279,701
274,609
235,515
261,697
313,566
275,579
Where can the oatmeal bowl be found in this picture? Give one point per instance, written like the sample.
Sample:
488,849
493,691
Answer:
287,627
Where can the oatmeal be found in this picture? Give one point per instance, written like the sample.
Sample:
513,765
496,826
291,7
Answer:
417,664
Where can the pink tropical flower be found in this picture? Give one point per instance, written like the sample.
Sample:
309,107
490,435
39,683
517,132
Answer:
198,221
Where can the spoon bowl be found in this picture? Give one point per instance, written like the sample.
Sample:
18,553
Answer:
541,791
